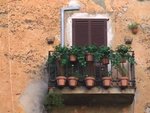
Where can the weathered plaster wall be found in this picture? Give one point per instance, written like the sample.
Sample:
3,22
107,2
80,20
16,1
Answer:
26,24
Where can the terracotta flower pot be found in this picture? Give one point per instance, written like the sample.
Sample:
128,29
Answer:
72,81
61,81
105,60
89,57
124,81
107,81
134,31
89,81
72,58
128,41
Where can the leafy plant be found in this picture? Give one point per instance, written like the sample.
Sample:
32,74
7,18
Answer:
90,49
133,25
74,50
122,49
115,61
52,100
80,53
52,58
122,52
115,58
81,58
62,54
102,52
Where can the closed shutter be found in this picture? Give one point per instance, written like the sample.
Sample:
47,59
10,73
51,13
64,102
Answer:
89,31
80,32
98,32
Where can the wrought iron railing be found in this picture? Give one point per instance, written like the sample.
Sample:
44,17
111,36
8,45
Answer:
95,68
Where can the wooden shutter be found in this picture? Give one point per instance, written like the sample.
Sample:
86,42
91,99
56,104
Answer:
98,32
80,32
89,31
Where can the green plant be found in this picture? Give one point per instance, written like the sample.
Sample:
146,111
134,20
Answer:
59,54
133,25
122,52
90,49
74,50
81,58
52,100
115,61
62,54
115,58
79,53
52,58
122,49
60,57
122,70
102,52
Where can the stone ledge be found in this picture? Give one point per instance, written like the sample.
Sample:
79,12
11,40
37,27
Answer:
95,90
97,96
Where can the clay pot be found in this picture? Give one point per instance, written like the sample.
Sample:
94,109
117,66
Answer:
89,57
89,81
128,41
72,58
105,61
72,81
61,81
124,81
134,31
107,81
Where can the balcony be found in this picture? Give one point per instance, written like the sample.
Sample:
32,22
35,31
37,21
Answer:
113,93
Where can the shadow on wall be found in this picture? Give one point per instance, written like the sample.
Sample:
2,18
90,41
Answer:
33,97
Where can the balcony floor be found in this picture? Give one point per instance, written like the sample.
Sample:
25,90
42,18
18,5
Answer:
97,96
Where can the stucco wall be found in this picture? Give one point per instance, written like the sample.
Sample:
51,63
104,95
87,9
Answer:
26,24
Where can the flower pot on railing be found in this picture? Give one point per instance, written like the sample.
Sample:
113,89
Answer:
72,58
90,50
61,81
107,81
74,51
72,81
123,82
89,57
90,81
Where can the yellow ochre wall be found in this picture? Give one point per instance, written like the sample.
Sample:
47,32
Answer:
26,24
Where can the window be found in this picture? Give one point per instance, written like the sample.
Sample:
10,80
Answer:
89,31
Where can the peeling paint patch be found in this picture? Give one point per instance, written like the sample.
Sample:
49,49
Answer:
147,108
100,2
